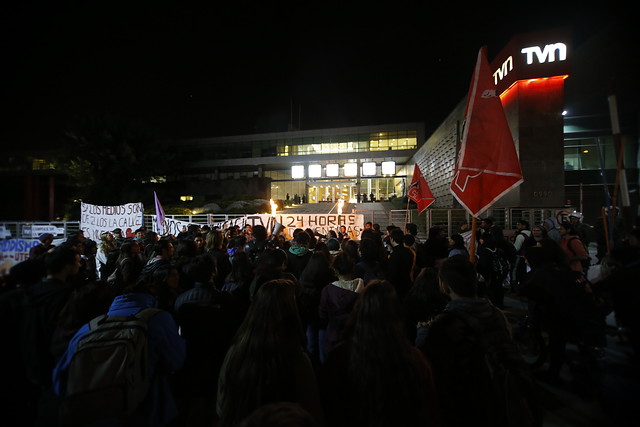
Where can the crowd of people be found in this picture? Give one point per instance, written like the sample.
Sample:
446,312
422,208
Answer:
255,329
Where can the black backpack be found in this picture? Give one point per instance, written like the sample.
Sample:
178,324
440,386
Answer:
508,382
108,376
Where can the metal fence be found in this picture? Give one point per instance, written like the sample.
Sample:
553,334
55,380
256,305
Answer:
450,219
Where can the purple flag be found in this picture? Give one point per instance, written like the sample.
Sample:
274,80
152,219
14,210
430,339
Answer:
160,217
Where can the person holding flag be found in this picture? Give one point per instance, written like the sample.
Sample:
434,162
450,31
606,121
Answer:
488,166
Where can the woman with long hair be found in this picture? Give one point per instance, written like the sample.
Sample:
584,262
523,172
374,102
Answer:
267,361
374,376
215,245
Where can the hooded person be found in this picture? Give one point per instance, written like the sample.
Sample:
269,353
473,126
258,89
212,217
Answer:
552,230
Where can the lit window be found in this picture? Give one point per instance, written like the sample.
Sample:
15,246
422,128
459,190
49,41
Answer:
351,169
333,169
315,171
368,168
388,168
297,171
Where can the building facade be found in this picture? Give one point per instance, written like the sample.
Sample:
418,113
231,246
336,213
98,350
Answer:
312,166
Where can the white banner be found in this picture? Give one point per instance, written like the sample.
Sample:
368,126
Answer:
96,219
14,251
171,226
320,223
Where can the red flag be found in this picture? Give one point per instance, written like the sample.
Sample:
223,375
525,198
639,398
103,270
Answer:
488,165
419,190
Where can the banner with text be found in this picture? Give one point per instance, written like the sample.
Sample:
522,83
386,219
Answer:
96,219
171,226
14,251
320,223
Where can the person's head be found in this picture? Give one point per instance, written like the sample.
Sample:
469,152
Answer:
566,229
538,232
273,259
436,233
201,269
214,239
456,241
412,229
117,233
164,248
458,276
486,222
575,217
522,224
549,224
368,250
273,312
343,229
140,233
129,248
377,310
397,236
425,286
63,262
199,241
167,275
488,240
46,239
333,245
260,232
280,414
408,240
368,225
316,268
343,265
186,248
302,240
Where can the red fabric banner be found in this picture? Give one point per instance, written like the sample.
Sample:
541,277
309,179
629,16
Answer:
419,190
488,166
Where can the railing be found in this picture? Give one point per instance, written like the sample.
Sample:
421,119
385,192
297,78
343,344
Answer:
450,219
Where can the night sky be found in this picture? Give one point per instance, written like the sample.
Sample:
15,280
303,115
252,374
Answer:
223,70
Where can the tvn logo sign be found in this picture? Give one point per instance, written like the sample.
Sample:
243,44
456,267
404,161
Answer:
550,53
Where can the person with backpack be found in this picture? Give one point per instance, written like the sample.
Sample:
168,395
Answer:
520,242
574,248
480,375
494,269
101,378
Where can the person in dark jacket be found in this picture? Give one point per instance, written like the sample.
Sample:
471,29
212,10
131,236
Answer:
400,263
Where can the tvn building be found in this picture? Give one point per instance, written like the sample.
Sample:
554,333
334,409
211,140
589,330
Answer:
562,131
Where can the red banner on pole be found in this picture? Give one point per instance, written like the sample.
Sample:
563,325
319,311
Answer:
488,166
419,190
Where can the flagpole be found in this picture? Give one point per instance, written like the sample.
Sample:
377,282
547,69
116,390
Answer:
472,244
406,214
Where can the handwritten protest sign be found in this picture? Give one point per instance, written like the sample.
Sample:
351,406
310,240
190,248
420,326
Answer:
96,219
319,223
171,226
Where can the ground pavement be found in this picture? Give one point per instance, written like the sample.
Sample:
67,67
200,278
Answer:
611,398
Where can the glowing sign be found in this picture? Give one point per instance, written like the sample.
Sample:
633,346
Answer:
550,53
546,55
